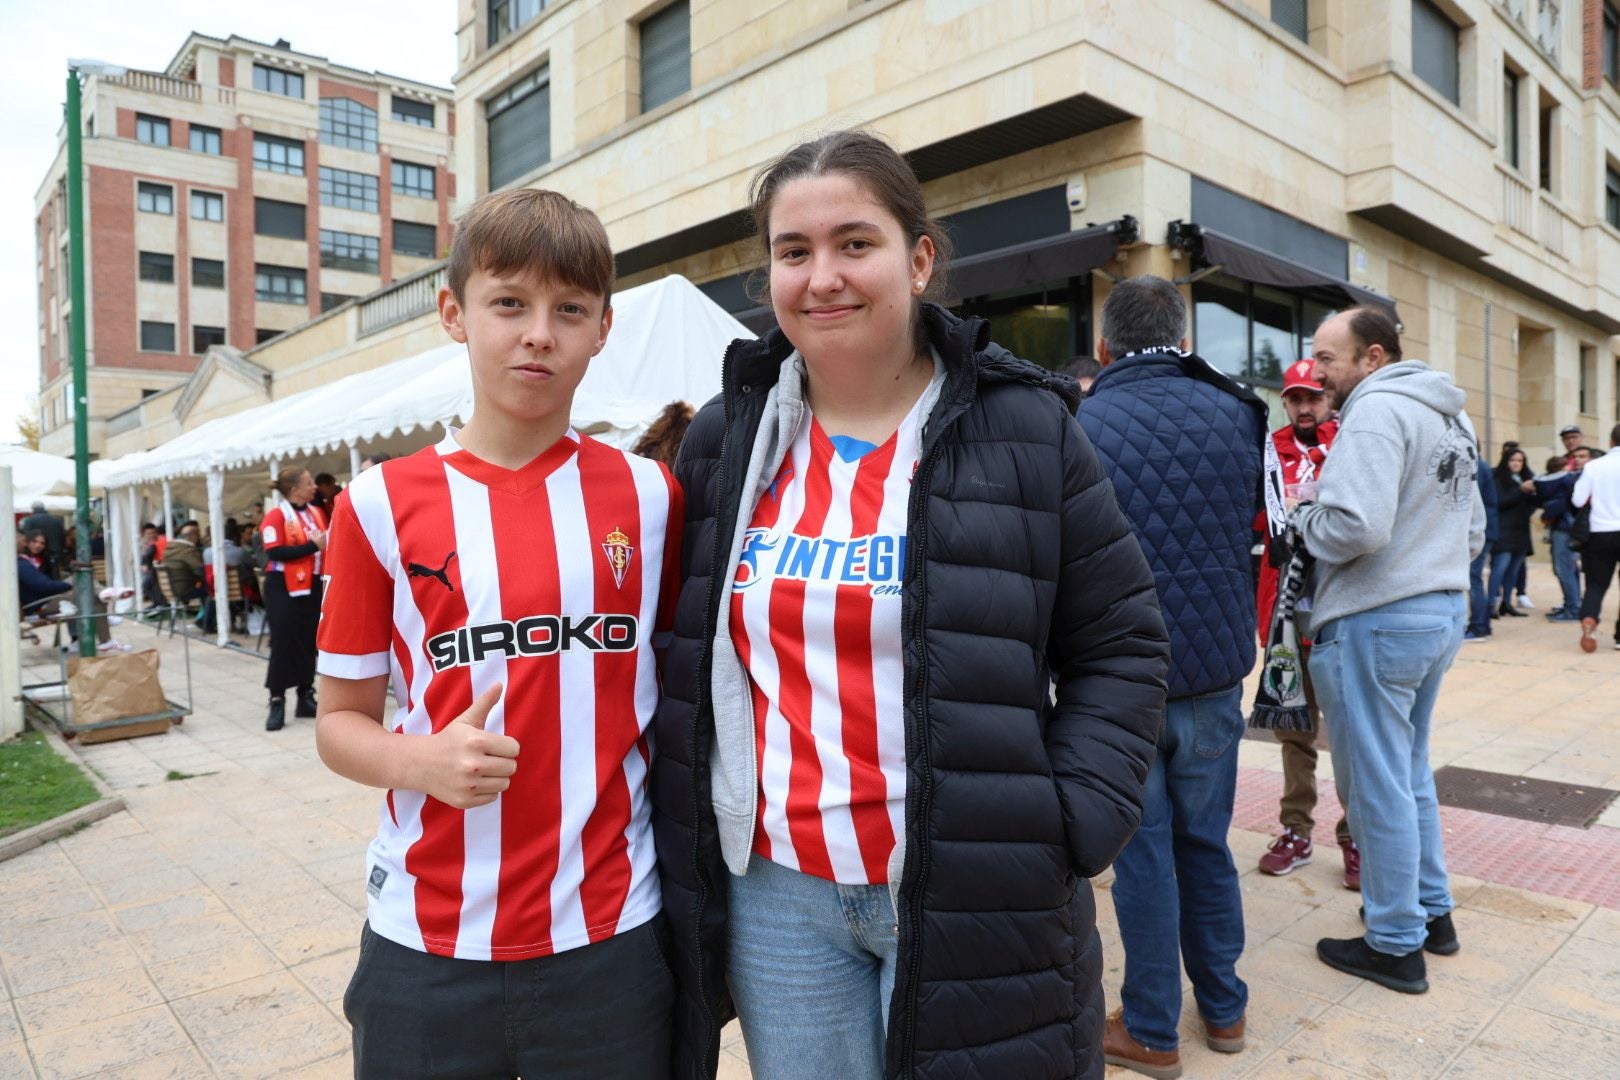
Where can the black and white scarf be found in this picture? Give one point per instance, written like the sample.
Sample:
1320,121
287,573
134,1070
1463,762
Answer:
1279,701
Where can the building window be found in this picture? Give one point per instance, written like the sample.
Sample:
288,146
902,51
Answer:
1051,324
413,179
204,140
156,266
353,190
157,336
1434,48
152,129
204,336
271,154
1253,332
407,111
154,198
275,81
274,218
348,251
666,55
330,300
1611,204
1510,117
279,284
1588,376
1611,53
506,16
208,273
411,238
207,206
346,122
519,122
1291,16
1548,120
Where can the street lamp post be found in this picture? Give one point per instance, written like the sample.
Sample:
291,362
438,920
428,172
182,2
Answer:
84,588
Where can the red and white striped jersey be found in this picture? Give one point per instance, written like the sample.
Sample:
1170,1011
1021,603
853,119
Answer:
455,575
815,615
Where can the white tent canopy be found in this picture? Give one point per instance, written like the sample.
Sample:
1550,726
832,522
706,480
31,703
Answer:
666,345
37,477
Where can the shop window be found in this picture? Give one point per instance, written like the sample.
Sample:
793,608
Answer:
1253,332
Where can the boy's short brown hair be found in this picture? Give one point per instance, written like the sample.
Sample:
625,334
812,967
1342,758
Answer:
533,231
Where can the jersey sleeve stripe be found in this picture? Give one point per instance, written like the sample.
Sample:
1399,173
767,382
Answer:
352,666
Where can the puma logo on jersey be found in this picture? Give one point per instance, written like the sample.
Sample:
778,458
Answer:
442,574
537,635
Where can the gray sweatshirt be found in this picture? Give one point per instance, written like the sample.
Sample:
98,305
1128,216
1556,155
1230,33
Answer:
1398,511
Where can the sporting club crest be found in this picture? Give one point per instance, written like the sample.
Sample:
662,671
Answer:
616,546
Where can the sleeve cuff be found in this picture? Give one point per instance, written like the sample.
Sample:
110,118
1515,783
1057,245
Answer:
350,666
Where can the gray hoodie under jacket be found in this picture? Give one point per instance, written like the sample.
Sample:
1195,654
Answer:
1398,512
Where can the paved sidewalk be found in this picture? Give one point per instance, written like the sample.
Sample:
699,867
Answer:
210,930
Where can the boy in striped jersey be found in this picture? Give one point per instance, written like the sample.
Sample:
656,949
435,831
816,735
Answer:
510,580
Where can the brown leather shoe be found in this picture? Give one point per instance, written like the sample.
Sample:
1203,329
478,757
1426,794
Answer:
1589,635
1120,1049
1224,1040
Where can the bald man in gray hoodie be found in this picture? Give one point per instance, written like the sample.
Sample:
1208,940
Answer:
1397,520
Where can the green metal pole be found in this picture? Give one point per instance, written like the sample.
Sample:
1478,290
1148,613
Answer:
84,588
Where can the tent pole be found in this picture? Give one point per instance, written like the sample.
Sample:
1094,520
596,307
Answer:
354,462
132,525
112,542
216,533
168,516
11,707
270,499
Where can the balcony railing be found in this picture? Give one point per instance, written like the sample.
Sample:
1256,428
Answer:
1554,227
406,299
1518,202
152,82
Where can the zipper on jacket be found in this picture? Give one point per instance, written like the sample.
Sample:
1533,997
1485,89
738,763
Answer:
711,610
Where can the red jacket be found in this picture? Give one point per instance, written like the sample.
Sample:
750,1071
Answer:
1297,468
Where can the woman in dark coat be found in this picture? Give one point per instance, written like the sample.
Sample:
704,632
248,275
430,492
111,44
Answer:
1516,503
874,817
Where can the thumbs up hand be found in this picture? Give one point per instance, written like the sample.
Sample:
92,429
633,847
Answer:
465,766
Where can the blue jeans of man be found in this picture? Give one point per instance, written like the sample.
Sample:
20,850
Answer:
1377,676
1505,567
811,968
1175,882
1565,564
1479,605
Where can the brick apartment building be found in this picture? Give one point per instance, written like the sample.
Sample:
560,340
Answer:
236,194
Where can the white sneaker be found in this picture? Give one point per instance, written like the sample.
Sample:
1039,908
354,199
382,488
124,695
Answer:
114,620
1526,602
112,647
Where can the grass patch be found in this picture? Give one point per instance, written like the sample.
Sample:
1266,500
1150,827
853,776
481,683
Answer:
37,784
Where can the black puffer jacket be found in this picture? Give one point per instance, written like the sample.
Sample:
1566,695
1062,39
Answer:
1021,569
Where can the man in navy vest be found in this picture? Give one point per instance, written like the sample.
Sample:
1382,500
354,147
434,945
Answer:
1184,446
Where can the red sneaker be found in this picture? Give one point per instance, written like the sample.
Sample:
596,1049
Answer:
1352,865
1288,852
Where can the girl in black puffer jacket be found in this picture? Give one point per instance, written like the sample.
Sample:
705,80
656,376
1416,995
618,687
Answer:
874,817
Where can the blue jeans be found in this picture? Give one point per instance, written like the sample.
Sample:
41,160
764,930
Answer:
1175,881
1564,563
1479,606
811,969
1377,675
1505,567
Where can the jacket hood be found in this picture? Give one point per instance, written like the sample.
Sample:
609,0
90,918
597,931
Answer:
1416,380
964,347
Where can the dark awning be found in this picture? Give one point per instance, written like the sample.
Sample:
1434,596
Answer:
1216,250
1051,258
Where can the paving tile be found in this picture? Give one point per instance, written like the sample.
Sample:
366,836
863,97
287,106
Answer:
1475,1064
47,971
15,1063
190,936
1291,966
97,998
274,913
313,940
334,1068
149,885
83,930
215,1014
179,1065
1284,1064
118,1042
29,911
1527,1037
1603,924
212,969
10,1026
169,911
328,976
1376,1045
1581,982
280,1044
1497,954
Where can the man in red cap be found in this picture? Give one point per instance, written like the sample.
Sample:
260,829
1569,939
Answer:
1301,447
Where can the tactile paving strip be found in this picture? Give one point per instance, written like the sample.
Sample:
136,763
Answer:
1552,802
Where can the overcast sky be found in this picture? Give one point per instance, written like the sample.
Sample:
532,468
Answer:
414,38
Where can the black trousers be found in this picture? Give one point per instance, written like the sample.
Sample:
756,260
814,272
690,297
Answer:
1599,557
598,1012
293,620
